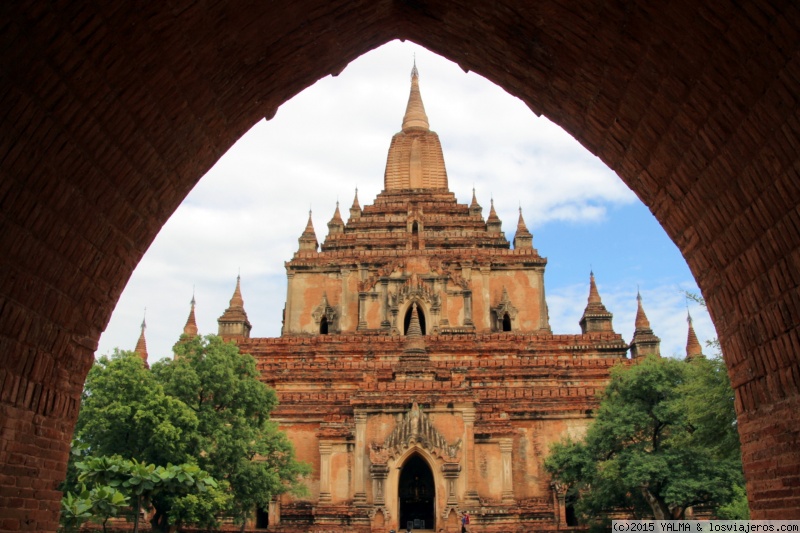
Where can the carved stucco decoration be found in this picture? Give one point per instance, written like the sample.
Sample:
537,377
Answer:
503,307
416,289
384,271
324,309
450,270
415,428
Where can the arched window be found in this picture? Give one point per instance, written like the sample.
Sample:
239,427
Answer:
415,236
323,326
506,322
407,319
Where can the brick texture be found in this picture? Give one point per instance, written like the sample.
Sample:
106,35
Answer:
111,111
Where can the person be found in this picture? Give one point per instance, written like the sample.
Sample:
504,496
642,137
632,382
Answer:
464,521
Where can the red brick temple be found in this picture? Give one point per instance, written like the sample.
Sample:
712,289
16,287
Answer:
416,368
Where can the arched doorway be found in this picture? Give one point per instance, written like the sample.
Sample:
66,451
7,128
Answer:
417,494
407,319
506,322
323,326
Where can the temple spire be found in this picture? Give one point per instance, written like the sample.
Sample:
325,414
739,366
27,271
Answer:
493,222
336,225
415,160
523,239
308,239
595,317
693,347
233,324
355,209
644,341
475,208
594,294
415,117
190,328
642,322
415,342
141,344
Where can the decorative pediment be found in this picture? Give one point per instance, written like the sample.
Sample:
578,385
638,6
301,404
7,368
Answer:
383,271
324,309
502,308
415,428
416,289
450,270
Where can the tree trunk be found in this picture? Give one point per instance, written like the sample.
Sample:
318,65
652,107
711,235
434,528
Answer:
660,509
137,512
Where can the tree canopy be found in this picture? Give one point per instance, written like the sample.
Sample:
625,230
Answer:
664,440
206,407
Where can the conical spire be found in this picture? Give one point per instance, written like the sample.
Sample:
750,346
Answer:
190,328
693,347
336,225
523,238
141,345
642,323
474,207
355,209
415,160
234,323
415,117
308,239
595,317
644,341
415,342
493,222
594,294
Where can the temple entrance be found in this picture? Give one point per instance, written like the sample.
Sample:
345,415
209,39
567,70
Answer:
407,319
417,495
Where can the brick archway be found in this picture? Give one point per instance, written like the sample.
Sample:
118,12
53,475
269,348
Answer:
111,113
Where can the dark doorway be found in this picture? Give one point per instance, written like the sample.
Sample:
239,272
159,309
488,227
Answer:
407,320
415,236
262,518
569,504
417,494
323,326
506,322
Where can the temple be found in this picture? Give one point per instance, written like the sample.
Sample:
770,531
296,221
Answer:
416,368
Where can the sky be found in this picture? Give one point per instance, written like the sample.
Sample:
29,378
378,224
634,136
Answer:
245,215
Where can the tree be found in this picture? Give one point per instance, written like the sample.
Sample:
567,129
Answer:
236,441
204,409
649,450
125,411
115,480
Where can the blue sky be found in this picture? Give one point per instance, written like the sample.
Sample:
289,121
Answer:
246,214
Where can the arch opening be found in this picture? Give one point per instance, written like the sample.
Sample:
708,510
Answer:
710,256
506,322
417,494
323,326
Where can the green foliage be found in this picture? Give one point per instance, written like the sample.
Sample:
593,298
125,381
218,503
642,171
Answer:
115,479
205,415
75,511
662,441
107,502
738,508
236,440
125,411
